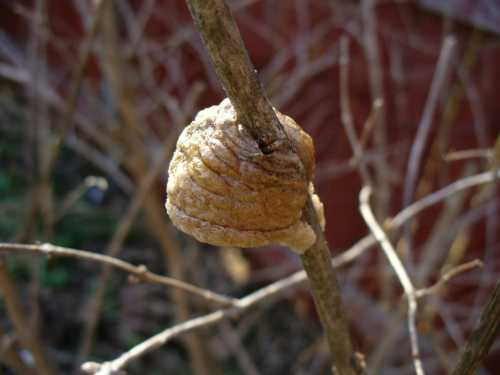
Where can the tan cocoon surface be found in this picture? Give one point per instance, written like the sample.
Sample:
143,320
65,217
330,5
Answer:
223,191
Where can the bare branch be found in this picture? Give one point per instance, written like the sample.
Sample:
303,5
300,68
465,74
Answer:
139,272
230,59
443,280
424,126
347,120
404,279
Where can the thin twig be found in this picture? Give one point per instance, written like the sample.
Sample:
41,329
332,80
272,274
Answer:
404,279
139,272
346,113
424,126
470,154
232,64
482,338
76,82
443,280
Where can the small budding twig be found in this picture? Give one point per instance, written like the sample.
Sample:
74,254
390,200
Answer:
232,64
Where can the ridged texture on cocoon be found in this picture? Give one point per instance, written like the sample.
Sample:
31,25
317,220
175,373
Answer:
224,191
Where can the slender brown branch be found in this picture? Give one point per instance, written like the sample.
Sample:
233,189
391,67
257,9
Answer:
482,338
139,272
327,296
455,271
232,64
76,82
346,114
220,34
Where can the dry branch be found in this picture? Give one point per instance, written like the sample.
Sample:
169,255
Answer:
140,272
399,269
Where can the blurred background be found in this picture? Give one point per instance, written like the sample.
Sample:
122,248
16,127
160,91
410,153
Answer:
93,95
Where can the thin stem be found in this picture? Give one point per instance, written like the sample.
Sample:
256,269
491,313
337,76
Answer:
232,64
138,272
399,269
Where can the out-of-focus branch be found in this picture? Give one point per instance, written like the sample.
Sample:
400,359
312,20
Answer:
443,280
78,75
482,338
140,272
10,356
29,339
346,113
424,126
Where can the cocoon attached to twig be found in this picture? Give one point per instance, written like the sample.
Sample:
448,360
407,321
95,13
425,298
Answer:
224,191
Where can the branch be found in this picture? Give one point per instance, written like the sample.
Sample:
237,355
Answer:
482,338
443,280
139,272
404,279
221,36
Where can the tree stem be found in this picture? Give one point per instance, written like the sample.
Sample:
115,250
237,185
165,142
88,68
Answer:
232,64
230,59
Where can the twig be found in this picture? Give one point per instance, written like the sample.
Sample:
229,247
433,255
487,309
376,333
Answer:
346,113
424,126
78,75
372,50
278,288
482,338
139,272
470,154
232,64
443,280
404,279
220,34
